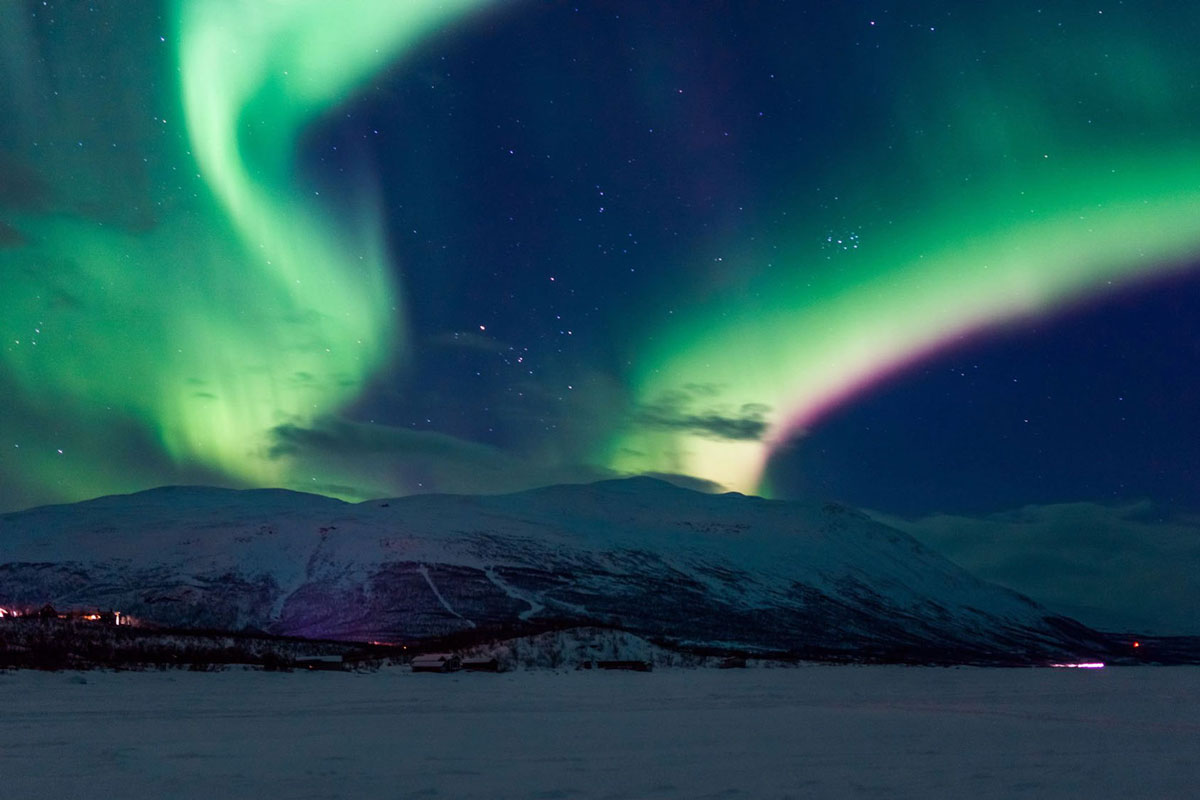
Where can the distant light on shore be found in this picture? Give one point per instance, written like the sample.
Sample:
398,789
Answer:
1084,665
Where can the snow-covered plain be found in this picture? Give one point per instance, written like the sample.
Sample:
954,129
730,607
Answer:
822,732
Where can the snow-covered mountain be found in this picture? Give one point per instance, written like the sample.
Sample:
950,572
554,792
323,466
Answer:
720,571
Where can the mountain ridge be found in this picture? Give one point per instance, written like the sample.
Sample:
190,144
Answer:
693,569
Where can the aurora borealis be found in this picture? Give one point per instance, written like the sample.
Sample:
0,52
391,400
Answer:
374,248
255,306
252,75
907,300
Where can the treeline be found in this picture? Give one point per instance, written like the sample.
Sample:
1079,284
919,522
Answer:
69,644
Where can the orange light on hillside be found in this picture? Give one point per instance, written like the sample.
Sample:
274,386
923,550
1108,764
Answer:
1137,644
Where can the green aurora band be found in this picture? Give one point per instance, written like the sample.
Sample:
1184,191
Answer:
253,74
996,188
807,347
167,330
244,305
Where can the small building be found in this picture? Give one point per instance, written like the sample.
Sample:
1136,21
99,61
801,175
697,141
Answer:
94,615
436,662
362,658
323,663
634,666
481,664
111,618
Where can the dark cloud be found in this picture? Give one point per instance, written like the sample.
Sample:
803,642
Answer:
702,389
696,410
341,437
370,461
366,461
1118,568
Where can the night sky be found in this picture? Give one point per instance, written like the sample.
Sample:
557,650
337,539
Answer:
924,258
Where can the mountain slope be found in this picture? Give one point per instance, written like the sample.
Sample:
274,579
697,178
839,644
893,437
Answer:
723,571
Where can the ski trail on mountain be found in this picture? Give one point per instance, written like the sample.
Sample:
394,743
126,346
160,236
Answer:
515,593
424,570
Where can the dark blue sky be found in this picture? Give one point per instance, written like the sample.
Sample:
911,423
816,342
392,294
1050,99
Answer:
554,191
1096,403
574,198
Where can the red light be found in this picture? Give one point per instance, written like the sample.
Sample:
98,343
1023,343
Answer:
1137,644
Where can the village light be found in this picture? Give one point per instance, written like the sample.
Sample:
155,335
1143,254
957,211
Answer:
1084,665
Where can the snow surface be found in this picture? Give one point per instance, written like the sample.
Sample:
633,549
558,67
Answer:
826,732
662,560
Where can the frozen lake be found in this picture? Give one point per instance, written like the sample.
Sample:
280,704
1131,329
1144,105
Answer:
810,732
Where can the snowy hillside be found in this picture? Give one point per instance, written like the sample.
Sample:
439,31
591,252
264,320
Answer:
719,571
